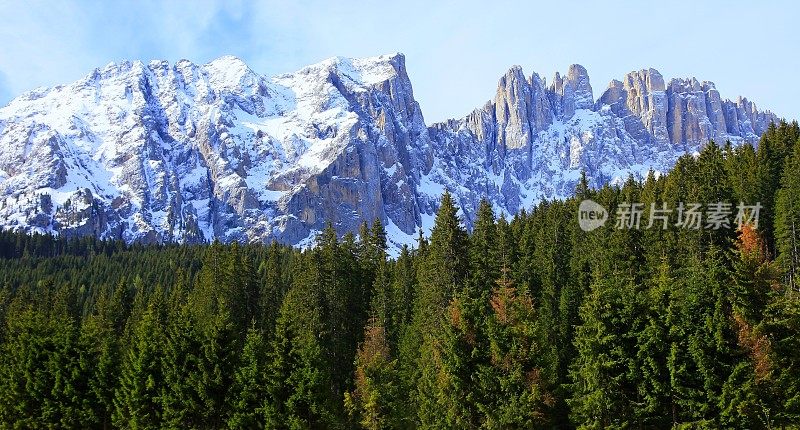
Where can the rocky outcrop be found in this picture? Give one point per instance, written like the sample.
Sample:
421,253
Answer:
682,115
640,99
571,92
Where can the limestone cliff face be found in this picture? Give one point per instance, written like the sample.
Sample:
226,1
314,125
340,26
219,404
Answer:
374,177
682,115
183,152
571,92
640,99
579,78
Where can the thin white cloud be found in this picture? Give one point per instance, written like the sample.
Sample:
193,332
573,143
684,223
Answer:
455,51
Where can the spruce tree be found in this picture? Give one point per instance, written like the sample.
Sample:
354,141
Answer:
204,339
604,374
787,221
136,399
249,389
708,352
100,360
444,270
483,252
514,390
41,383
180,361
443,273
654,404
273,288
376,401
340,281
782,328
403,286
299,392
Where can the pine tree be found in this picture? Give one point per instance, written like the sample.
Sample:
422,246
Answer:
100,354
654,405
514,391
342,285
372,245
483,252
273,288
604,379
507,255
582,189
249,385
708,351
753,275
179,399
377,237
383,300
782,327
442,275
377,401
773,149
136,399
382,295
40,378
459,351
741,166
240,276
299,393
445,267
407,339
748,397
204,339
787,220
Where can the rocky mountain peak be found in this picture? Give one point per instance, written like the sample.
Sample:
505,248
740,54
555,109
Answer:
579,80
182,152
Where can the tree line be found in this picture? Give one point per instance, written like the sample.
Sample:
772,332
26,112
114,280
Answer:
524,322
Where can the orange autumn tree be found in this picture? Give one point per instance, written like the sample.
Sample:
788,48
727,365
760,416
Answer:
375,401
755,274
521,391
754,281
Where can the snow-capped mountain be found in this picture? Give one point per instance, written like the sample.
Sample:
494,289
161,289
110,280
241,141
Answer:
160,152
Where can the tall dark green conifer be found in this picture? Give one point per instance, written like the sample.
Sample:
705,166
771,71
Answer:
273,288
345,297
513,389
101,354
204,338
442,275
136,399
299,391
787,220
444,270
41,383
604,374
706,355
377,400
483,252
249,390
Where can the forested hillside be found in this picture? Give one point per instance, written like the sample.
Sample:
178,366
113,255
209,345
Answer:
528,322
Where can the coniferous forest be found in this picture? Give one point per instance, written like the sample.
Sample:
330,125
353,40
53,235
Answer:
525,322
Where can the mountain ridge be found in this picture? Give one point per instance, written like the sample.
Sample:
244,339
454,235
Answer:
162,152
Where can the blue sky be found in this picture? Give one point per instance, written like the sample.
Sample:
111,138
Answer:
455,50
